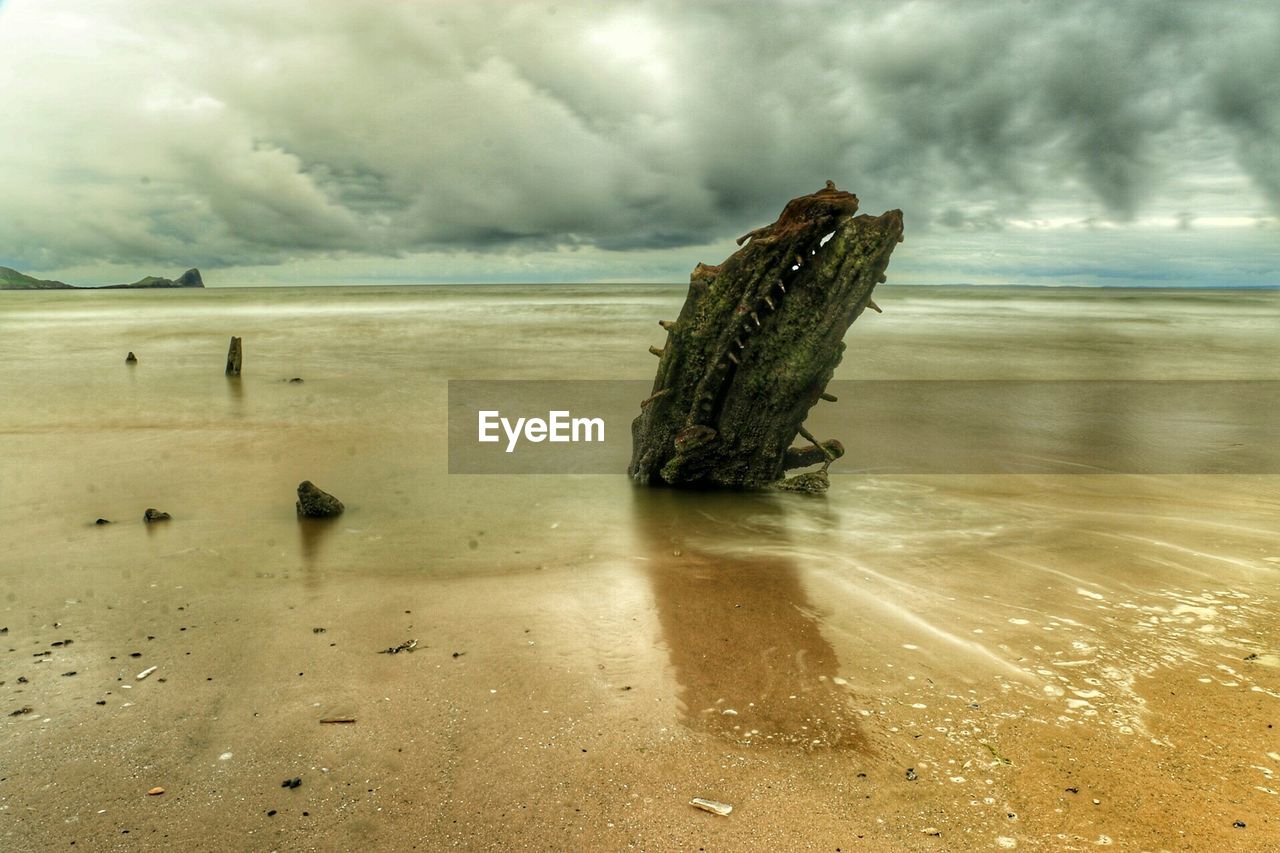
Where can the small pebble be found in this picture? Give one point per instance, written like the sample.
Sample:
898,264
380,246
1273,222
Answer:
271,813
911,774
1239,824
155,792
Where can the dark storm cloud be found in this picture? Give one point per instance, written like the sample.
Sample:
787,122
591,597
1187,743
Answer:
251,133
1241,81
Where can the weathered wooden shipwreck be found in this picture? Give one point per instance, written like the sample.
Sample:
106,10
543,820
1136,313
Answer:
755,345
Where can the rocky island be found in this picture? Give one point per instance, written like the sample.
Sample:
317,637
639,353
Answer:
11,279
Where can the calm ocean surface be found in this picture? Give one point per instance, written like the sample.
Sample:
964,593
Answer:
87,436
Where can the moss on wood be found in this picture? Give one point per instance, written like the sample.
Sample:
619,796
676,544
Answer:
756,343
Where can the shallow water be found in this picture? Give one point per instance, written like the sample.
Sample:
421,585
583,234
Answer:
1087,628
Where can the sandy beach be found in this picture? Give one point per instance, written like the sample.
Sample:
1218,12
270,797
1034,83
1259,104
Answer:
928,662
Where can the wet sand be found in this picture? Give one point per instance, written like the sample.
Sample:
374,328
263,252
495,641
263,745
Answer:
1062,662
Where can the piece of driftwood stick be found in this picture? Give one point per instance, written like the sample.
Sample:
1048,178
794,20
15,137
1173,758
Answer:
234,356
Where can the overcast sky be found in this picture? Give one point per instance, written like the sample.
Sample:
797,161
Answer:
296,141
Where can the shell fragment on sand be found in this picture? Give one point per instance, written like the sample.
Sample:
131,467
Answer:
406,646
145,673
722,809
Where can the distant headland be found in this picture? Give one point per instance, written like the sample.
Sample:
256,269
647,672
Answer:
11,279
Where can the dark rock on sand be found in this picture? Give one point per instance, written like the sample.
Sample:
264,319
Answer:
153,514
314,502
103,521
130,358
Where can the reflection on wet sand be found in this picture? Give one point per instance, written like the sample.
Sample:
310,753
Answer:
742,635
312,533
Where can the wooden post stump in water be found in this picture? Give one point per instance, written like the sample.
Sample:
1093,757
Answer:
755,345
233,357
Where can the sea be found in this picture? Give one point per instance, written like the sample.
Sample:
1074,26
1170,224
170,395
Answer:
1124,535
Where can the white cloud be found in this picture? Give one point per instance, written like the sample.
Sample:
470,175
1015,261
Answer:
614,140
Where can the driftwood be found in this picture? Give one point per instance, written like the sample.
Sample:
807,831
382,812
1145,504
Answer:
234,354
755,345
